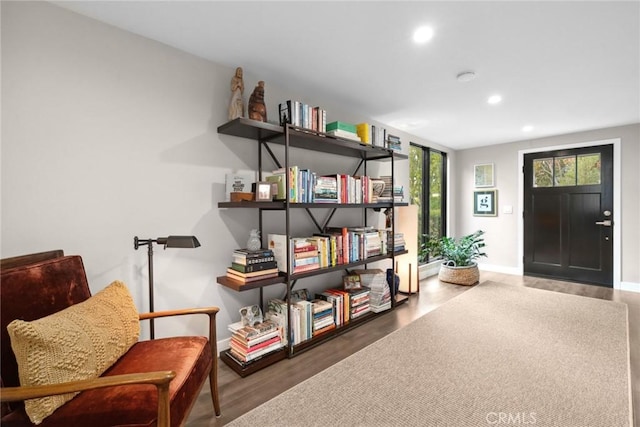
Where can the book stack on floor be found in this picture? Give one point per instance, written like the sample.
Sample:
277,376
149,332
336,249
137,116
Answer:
249,343
376,281
323,317
248,266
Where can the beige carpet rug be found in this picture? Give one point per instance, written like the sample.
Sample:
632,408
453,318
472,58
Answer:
495,355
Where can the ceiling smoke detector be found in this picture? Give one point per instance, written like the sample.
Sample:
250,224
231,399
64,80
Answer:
466,76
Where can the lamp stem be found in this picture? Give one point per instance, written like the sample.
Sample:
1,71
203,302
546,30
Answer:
150,255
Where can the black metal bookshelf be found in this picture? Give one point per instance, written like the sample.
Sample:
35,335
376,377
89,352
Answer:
265,134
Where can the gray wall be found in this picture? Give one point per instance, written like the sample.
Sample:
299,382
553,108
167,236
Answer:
107,135
502,231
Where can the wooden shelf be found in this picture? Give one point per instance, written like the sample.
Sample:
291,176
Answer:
324,270
319,339
239,286
282,205
244,369
316,141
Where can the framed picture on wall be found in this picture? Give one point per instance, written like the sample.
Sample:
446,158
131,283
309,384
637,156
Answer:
483,175
485,203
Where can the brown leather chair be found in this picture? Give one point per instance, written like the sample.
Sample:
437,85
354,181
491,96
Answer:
154,384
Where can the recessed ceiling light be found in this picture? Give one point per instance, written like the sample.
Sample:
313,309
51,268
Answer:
423,34
494,99
527,128
466,76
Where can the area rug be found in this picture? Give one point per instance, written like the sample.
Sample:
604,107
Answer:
496,355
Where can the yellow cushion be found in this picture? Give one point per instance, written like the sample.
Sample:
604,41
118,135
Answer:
77,343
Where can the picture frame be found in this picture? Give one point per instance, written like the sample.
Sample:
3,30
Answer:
262,191
484,175
351,281
485,203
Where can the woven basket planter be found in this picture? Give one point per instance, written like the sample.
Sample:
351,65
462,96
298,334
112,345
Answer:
468,275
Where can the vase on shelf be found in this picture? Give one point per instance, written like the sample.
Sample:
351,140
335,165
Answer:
254,243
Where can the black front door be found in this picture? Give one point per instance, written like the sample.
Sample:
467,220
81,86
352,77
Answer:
568,214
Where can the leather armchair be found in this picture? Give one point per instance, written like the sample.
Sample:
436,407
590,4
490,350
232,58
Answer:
155,383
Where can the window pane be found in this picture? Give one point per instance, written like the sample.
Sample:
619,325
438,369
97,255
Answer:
543,173
435,194
564,171
427,175
415,177
589,169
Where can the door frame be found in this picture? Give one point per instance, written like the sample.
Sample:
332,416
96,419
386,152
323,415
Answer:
617,181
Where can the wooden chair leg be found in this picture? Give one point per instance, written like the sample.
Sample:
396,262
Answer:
213,385
213,375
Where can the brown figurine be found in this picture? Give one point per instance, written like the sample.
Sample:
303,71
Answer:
236,106
257,110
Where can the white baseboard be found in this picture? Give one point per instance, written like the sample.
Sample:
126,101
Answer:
630,286
223,344
428,270
432,269
500,269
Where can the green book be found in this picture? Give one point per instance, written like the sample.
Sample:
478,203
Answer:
341,126
252,268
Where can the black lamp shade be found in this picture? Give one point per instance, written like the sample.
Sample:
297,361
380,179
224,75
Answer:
179,242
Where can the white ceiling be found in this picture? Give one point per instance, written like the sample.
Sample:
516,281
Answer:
560,66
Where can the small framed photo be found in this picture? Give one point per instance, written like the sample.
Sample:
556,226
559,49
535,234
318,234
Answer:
483,175
485,203
262,190
352,281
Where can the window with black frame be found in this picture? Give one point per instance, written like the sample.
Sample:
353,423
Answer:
428,190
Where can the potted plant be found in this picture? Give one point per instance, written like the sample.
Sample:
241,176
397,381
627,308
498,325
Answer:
459,257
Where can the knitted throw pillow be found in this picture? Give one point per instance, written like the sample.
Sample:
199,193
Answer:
77,343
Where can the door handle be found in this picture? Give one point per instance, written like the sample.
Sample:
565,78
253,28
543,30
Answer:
606,223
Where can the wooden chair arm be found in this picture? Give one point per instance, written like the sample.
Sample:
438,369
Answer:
182,312
210,311
160,379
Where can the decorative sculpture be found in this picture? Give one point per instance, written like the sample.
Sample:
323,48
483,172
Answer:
257,110
236,106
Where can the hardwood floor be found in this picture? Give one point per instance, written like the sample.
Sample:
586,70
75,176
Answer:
239,395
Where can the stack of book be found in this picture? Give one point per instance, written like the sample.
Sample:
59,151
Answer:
393,142
302,115
378,135
323,317
339,298
342,130
398,242
398,193
387,193
359,302
326,190
248,266
376,281
304,255
249,343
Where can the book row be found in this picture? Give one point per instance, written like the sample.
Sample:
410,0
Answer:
307,186
334,247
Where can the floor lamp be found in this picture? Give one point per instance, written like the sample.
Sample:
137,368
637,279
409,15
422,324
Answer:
168,242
